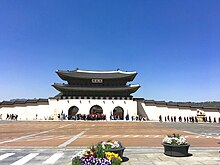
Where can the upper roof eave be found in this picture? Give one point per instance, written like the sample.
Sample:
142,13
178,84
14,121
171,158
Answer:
99,71
85,74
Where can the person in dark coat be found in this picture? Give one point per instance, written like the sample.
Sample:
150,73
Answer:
210,120
160,118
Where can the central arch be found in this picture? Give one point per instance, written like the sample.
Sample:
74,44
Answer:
118,112
72,111
96,109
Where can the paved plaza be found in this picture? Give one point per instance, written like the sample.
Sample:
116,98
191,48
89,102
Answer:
55,142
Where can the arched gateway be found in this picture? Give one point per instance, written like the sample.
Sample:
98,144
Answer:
72,111
118,112
96,109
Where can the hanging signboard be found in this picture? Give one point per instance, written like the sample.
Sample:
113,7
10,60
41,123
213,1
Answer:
97,81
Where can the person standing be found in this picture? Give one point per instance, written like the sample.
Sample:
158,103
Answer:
7,117
160,118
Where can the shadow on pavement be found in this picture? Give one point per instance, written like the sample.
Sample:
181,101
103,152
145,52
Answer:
125,159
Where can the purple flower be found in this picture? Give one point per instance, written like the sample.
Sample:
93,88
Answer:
95,161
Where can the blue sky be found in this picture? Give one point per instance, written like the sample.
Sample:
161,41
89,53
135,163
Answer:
173,45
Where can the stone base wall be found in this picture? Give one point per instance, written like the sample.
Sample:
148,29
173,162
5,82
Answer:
48,109
154,111
84,105
51,109
30,112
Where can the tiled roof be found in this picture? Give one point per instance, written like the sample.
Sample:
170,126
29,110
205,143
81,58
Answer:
23,101
83,74
163,103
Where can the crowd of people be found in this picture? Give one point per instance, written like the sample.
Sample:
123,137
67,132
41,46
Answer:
188,119
12,117
191,119
118,117
62,116
138,118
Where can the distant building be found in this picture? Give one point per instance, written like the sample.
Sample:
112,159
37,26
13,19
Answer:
95,92
93,95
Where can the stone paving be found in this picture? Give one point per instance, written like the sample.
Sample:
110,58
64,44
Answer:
132,156
156,157
202,129
76,134
142,139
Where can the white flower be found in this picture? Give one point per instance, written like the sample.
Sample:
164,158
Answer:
174,140
113,144
80,154
116,145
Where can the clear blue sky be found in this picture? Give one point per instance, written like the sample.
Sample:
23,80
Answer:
174,45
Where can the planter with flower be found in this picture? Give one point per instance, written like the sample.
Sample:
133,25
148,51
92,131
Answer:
113,146
108,153
175,145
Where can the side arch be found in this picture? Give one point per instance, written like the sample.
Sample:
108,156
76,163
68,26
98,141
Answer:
72,112
118,112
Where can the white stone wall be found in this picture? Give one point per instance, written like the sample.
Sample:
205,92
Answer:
84,105
25,112
153,112
213,115
56,106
